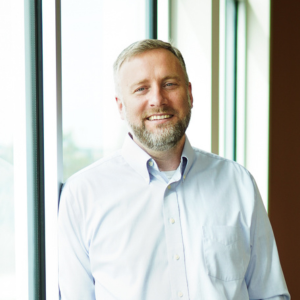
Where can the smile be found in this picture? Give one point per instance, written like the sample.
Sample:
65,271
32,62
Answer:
161,117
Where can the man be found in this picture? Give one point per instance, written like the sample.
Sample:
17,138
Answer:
160,220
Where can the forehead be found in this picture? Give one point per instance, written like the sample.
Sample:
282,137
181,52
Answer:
152,63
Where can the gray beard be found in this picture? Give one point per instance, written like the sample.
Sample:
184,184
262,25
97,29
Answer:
166,138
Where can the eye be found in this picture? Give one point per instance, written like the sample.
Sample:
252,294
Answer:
170,84
141,90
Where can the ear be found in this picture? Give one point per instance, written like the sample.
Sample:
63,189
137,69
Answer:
120,107
190,93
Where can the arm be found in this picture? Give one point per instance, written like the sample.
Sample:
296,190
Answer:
264,277
75,278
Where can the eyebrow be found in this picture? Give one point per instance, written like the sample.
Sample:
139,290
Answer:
146,80
172,77
138,83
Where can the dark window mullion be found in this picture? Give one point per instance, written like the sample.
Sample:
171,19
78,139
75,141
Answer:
235,79
231,56
35,149
41,274
152,19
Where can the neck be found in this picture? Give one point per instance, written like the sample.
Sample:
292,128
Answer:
166,160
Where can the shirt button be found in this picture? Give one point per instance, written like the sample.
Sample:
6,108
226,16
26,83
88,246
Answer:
176,256
172,221
150,163
180,294
169,187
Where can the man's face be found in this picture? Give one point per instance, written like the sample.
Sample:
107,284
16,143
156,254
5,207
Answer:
156,99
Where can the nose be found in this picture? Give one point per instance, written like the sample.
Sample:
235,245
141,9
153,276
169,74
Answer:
156,97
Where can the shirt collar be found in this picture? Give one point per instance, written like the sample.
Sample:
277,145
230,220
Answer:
189,153
138,159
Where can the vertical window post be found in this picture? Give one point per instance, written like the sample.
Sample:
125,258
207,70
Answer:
35,149
152,19
230,78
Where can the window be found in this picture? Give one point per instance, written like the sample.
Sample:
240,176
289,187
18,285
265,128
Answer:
244,86
59,102
93,34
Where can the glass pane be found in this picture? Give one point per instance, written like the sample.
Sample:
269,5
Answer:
13,192
163,22
7,228
191,32
93,34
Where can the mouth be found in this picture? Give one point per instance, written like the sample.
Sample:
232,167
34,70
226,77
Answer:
159,117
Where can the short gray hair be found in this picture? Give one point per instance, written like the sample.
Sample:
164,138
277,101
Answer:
143,46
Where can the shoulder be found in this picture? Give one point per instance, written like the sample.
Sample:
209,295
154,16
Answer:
211,161
224,181
224,173
93,175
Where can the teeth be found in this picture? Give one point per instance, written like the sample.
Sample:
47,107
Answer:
160,117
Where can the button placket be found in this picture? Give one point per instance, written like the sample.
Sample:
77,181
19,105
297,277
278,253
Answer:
175,244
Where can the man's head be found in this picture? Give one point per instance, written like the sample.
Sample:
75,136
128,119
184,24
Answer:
153,93
143,46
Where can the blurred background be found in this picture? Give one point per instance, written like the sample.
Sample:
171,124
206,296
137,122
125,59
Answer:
243,61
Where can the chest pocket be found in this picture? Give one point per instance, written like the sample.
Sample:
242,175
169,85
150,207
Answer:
226,252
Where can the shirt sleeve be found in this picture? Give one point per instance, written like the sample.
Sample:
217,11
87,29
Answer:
264,276
75,278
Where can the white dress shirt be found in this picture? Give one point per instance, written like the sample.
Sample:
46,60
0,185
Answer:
127,232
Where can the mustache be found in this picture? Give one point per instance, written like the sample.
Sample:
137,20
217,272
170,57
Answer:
163,110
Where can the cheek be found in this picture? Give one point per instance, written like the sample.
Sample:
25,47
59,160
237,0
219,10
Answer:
179,98
136,111
133,114
181,103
